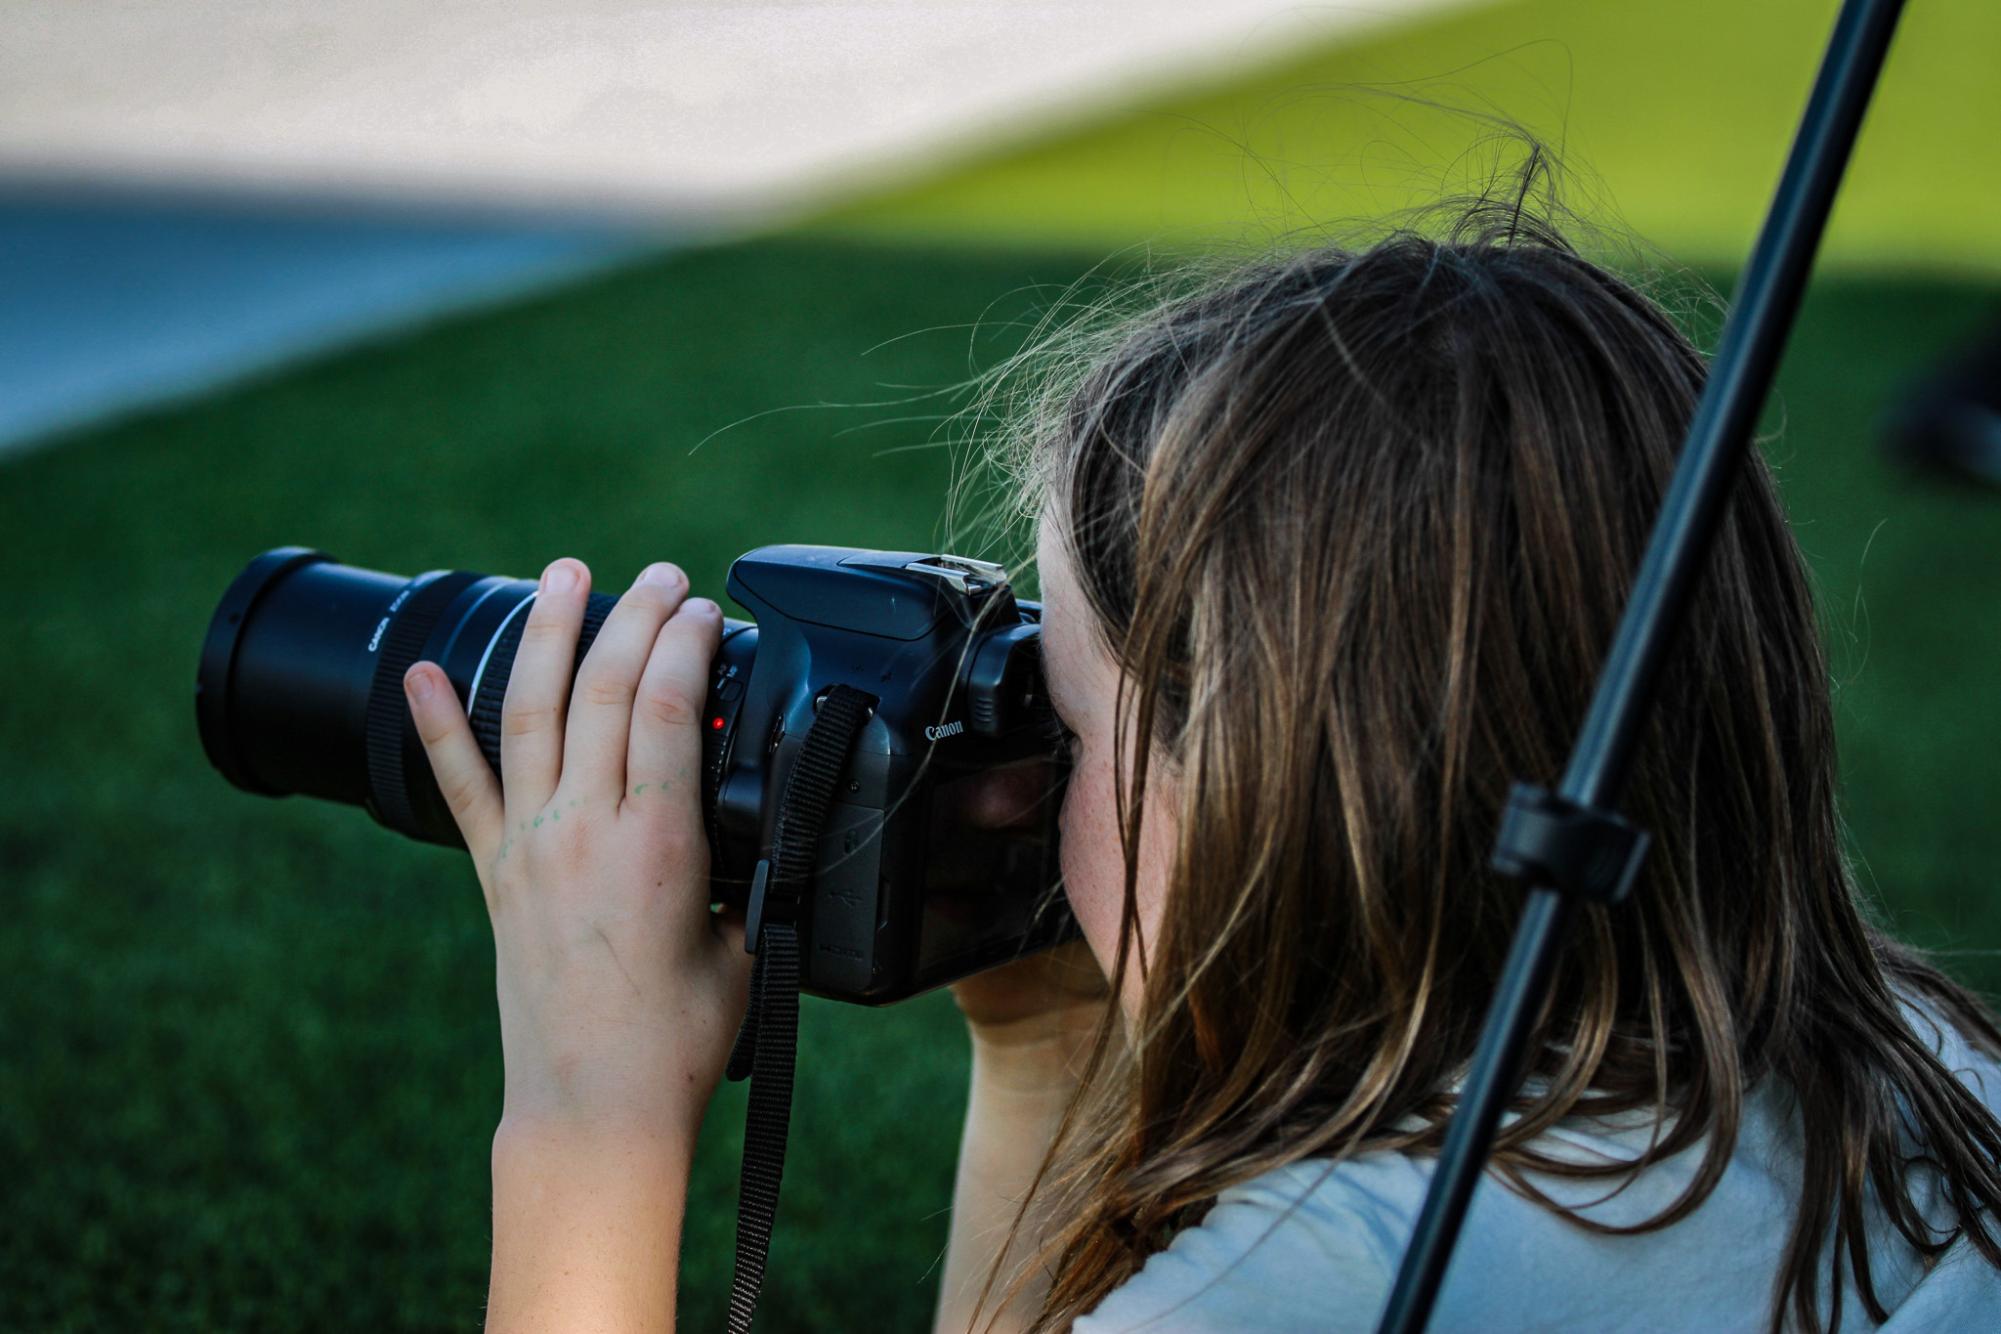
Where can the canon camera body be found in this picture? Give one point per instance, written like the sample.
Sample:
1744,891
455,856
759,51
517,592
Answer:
917,883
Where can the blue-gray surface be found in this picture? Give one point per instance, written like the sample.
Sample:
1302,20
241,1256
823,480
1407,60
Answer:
110,301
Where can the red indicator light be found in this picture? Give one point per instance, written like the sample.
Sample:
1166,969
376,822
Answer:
716,723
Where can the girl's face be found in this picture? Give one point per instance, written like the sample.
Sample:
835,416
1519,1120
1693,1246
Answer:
1083,685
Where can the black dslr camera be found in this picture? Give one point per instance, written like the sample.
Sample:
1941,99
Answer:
300,690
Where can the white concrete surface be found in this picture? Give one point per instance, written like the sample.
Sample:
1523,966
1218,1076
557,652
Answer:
196,191
705,112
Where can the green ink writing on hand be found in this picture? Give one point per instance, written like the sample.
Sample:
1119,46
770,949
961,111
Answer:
538,822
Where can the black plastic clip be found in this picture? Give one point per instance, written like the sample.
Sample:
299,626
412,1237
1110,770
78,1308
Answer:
1549,840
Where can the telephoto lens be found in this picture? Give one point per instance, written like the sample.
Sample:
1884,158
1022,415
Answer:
300,688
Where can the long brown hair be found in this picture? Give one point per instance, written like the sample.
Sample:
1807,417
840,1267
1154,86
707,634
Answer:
1357,525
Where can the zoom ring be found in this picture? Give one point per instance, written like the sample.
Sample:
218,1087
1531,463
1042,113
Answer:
485,711
390,733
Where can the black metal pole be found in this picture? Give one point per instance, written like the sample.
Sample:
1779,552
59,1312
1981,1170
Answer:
1740,376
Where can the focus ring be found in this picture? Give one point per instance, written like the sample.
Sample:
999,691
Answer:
484,712
390,732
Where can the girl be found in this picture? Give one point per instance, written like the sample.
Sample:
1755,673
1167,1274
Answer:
1331,551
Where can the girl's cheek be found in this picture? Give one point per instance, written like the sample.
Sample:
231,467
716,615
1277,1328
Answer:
1093,875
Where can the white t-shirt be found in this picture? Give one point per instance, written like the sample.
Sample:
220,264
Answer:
1316,1247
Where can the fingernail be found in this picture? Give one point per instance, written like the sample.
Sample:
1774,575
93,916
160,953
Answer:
560,577
701,607
420,684
664,574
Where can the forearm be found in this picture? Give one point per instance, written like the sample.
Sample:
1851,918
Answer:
586,1228
1019,1092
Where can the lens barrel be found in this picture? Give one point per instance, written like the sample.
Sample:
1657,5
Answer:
300,688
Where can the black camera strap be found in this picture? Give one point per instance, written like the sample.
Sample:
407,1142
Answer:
766,1045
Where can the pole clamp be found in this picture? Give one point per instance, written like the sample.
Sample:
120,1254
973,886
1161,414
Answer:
1549,840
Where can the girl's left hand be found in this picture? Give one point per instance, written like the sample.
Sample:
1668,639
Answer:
620,993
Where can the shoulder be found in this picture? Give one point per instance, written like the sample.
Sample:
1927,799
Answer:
1315,1245
1312,1245
1979,1072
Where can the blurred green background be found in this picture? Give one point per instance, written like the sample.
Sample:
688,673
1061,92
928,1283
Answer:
249,1065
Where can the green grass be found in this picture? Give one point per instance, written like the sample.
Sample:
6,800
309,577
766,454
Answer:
1674,116
248,1058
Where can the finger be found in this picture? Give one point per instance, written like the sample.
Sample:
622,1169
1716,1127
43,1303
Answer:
594,744
664,757
464,777
730,928
538,689
734,965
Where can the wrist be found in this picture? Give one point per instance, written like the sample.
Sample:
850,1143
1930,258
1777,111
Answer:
1058,1025
1041,1052
528,1141
595,1098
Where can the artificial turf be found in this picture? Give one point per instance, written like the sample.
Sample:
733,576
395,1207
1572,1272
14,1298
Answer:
1673,119
249,1063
